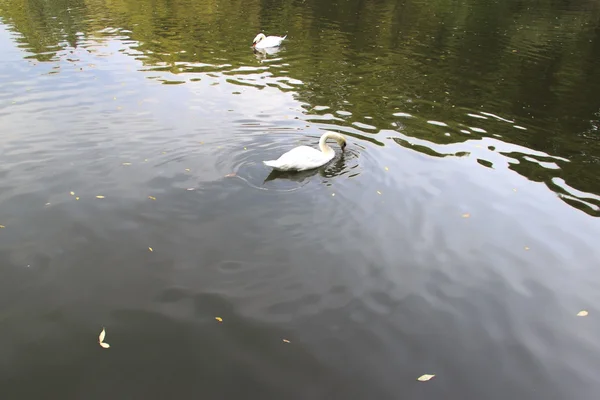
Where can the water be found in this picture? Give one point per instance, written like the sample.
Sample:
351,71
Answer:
457,236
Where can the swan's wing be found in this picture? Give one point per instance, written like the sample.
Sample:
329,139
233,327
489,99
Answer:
300,158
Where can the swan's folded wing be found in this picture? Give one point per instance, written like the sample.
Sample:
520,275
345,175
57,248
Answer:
301,158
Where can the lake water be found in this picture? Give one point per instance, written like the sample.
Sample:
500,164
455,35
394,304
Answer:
456,236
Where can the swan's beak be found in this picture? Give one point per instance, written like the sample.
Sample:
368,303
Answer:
344,146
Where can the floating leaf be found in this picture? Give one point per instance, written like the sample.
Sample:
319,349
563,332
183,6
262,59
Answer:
387,169
219,319
190,189
332,194
77,198
286,341
514,190
150,248
526,248
230,175
47,204
152,197
378,192
187,170
425,377
102,335
126,163
466,215
72,193
245,148
99,197
105,345
2,227
582,313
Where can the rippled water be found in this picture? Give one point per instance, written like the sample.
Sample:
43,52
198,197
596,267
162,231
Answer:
456,236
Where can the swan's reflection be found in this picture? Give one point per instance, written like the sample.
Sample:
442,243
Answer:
261,54
331,169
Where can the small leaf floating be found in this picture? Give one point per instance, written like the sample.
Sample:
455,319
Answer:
230,175
101,339
152,197
425,377
99,197
219,319
378,192
582,313
150,248
2,227
126,163
187,170
72,193
286,341
466,215
77,198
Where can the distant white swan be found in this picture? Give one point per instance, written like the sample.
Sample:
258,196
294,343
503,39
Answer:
302,158
262,42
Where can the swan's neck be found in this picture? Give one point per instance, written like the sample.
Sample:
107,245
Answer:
325,149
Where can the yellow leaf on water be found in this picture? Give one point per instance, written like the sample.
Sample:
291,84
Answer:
387,169
286,341
425,377
99,197
466,215
230,175
114,98
245,148
72,193
126,163
145,160
187,170
332,194
102,335
526,248
150,248
190,188
219,319
2,227
378,192
104,345
152,197
582,313
77,198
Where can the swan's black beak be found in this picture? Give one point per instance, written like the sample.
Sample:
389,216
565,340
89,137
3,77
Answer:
343,146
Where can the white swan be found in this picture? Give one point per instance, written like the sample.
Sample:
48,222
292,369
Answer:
302,158
262,42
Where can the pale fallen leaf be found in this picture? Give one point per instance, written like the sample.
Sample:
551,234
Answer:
105,345
286,341
77,198
378,192
102,335
190,188
126,163
99,197
2,227
150,248
526,248
514,190
219,319
47,204
230,175
387,169
152,197
425,377
332,194
245,148
145,160
187,170
72,193
582,313
466,215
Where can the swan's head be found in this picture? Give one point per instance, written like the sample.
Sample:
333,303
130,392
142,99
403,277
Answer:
340,139
258,38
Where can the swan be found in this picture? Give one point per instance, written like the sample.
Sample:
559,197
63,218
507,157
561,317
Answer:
262,42
302,158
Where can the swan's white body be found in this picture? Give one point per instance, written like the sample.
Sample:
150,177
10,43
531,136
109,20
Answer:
302,158
262,42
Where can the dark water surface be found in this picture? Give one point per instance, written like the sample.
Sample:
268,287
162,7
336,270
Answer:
457,236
